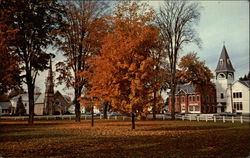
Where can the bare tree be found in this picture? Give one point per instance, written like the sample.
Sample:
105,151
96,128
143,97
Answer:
175,20
78,38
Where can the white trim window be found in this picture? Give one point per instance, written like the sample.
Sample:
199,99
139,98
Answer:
237,94
191,108
238,106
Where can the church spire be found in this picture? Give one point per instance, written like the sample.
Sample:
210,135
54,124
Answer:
49,91
49,81
224,63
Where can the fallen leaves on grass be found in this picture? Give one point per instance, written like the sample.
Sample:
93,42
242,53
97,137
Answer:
116,139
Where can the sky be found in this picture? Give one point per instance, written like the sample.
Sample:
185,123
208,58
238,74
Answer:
220,22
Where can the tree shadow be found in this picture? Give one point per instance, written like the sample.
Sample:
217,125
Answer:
184,128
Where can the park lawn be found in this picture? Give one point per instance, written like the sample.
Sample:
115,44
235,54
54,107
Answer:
114,138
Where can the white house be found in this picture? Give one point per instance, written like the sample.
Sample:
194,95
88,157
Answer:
25,100
5,108
232,96
240,96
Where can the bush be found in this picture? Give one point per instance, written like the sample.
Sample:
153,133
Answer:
56,113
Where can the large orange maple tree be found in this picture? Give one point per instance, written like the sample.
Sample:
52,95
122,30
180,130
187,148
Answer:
124,70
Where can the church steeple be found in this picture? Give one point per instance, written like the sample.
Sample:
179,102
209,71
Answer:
49,81
49,91
224,66
224,63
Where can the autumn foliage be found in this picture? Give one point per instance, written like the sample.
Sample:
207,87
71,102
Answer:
81,37
124,70
195,71
9,69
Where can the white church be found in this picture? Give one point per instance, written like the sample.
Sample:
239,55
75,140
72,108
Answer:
232,96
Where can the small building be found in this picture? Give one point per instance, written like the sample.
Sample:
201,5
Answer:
240,96
5,108
187,100
61,103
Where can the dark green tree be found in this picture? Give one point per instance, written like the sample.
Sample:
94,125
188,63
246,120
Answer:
36,22
20,109
245,78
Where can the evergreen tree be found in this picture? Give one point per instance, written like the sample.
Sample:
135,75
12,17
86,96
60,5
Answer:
20,109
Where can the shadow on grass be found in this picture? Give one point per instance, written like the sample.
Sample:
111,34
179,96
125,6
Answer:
184,128
26,136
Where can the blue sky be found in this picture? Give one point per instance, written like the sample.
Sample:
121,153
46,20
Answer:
220,21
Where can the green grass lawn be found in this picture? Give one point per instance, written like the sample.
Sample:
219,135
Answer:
113,138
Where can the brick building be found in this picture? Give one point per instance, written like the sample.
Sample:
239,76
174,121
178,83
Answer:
187,100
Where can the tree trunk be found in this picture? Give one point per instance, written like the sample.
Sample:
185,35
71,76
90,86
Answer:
173,87
77,105
154,107
133,120
105,110
31,103
92,116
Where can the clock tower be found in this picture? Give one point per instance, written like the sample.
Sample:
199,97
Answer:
224,79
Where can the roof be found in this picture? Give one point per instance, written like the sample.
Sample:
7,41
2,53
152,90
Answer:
226,64
5,105
25,97
187,88
245,83
40,99
59,93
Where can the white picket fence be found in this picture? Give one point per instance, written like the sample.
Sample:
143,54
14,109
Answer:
61,117
224,119
202,117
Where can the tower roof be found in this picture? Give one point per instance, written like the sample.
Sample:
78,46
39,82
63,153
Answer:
224,63
49,81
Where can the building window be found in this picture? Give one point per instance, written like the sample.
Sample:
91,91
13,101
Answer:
238,105
221,62
221,95
237,95
197,108
230,76
193,98
178,99
221,76
182,99
191,108
198,98
234,105
183,108
190,98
